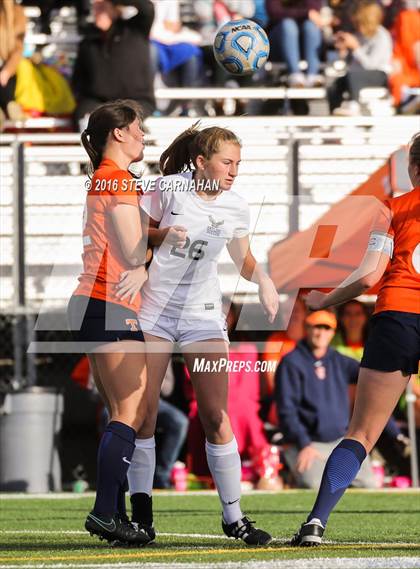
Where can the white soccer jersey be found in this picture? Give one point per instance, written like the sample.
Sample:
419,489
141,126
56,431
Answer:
183,282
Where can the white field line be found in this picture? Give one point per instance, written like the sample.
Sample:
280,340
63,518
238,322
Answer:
173,493
204,536
314,563
81,532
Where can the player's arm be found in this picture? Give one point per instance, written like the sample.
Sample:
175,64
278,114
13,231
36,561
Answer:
241,255
126,220
370,271
175,235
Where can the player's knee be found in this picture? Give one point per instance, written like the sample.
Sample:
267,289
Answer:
217,427
213,421
147,428
130,419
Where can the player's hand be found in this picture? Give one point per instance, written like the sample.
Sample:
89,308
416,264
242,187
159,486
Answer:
269,298
176,235
306,458
316,300
130,283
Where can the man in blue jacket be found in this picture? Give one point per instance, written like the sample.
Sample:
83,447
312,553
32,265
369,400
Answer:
312,398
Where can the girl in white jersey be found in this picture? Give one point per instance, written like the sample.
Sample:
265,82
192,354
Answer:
189,225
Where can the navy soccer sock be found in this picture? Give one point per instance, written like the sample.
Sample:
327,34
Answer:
340,471
114,455
121,506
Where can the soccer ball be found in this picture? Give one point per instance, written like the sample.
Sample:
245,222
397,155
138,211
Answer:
241,47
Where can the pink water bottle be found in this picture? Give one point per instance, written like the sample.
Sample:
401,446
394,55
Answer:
401,482
179,476
379,473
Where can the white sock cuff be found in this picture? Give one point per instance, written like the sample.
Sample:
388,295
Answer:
146,443
221,450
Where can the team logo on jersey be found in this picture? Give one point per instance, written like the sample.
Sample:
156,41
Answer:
132,322
320,370
213,228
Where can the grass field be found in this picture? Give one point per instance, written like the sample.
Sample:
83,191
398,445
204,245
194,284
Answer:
367,530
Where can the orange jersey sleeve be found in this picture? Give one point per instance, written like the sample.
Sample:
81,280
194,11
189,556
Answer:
400,285
103,260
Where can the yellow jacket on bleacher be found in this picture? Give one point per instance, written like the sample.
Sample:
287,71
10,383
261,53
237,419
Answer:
42,89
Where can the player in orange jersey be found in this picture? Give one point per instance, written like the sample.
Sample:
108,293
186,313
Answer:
102,311
392,351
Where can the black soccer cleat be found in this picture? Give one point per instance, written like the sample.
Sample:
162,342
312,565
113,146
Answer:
149,529
244,529
115,530
309,535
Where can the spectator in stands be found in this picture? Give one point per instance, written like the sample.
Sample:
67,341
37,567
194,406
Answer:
406,58
368,55
113,59
352,329
171,432
291,22
176,53
279,344
225,10
244,392
312,398
343,9
260,13
341,15
211,14
12,33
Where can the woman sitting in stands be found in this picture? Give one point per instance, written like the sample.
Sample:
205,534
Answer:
291,25
368,54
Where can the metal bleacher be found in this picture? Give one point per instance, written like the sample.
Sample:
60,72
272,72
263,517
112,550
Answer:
335,156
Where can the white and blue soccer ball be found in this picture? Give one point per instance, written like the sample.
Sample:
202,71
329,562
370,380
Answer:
241,47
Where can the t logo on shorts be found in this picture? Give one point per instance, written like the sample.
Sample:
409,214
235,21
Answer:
132,322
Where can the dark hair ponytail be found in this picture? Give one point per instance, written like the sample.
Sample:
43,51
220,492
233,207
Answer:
103,120
414,150
181,154
177,157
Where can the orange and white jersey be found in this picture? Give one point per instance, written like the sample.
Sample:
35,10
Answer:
400,284
103,260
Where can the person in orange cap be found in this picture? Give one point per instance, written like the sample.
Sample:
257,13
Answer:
322,318
312,398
